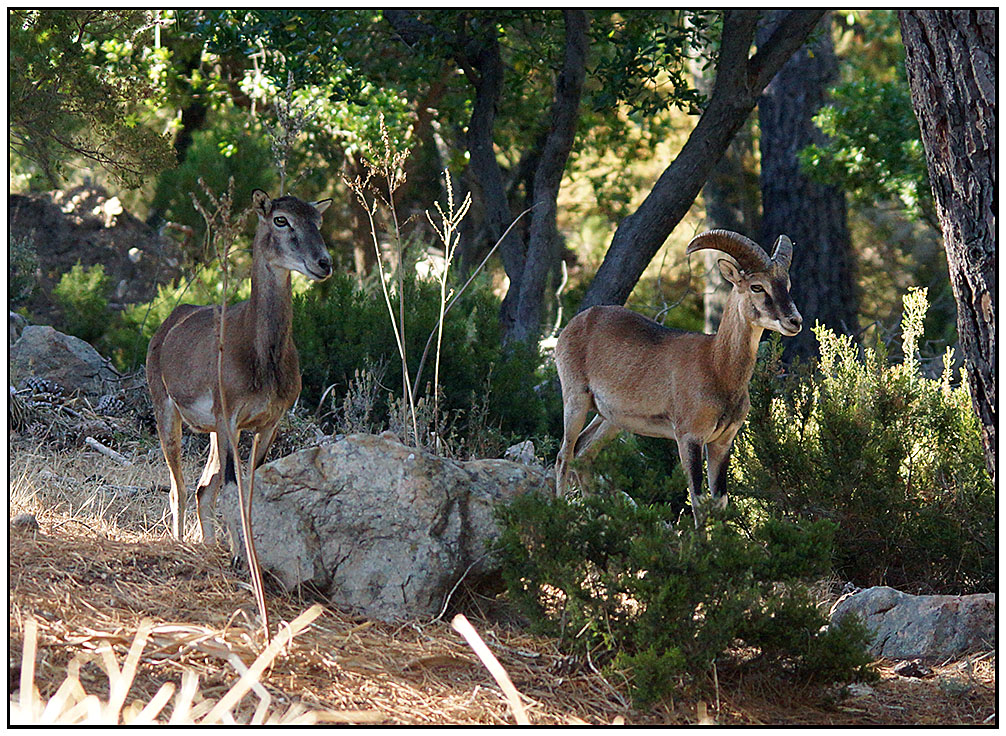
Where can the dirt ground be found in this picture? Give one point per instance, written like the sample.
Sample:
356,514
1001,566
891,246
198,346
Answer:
91,563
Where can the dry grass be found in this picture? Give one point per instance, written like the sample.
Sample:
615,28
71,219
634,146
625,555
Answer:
101,567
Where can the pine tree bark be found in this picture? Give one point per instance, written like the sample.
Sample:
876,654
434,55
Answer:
813,215
951,65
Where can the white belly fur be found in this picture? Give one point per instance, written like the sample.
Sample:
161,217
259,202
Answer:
199,414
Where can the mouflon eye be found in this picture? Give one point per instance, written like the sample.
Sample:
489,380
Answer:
757,288
280,221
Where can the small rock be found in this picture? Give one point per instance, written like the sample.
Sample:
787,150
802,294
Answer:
955,687
929,627
859,690
108,210
522,452
44,353
912,668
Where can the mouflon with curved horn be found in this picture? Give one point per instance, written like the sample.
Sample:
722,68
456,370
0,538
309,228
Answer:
640,376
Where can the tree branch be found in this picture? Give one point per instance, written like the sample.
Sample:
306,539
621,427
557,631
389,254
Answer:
787,37
739,82
410,29
731,67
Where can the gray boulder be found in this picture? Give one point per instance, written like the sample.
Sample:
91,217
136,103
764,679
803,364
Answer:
905,626
383,529
68,361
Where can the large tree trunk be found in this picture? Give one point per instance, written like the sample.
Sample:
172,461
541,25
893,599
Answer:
951,64
739,81
813,215
543,252
732,200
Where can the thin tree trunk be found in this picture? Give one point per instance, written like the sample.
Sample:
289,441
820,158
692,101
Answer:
813,215
542,252
484,70
739,81
480,60
951,65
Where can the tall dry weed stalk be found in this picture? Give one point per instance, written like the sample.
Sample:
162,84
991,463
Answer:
449,232
223,228
292,119
384,175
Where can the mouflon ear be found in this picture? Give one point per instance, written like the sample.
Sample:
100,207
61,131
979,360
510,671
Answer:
730,271
321,205
261,203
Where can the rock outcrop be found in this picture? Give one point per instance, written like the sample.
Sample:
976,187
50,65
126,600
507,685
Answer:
382,529
89,225
15,326
931,627
66,360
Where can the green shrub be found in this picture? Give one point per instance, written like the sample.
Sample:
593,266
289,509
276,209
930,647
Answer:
82,295
21,266
644,468
223,149
893,458
340,327
631,586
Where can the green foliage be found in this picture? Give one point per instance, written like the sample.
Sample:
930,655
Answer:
82,295
72,94
228,149
22,262
894,458
644,55
631,586
332,64
874,150
644,468
302,42
339,326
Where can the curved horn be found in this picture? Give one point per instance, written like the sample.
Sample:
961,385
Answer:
747,253
782,254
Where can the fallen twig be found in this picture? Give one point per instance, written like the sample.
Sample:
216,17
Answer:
106,450
463,627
